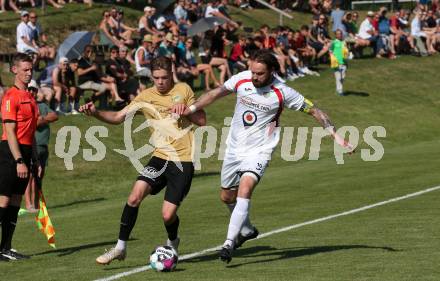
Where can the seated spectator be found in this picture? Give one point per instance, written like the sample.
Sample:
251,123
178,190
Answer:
181,15
419,34
327,6
367,35
385,42
302,46
144,25
64,84
122,31
142,57
106,31
13,5
402,38
24,35
315,7
90,77
120,69
39,39
216,52
319,38
237,59
187,64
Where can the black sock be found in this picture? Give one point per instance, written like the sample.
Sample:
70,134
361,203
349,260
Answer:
8,226
128,220
172,229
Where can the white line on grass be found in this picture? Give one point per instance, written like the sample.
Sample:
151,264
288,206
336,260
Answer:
287,228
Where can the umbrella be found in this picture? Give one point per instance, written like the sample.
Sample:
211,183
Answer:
74,45
162,5
205,24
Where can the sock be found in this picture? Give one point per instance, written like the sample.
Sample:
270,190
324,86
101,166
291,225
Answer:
238,217
128,220
247,227
172,229
8,226
121,245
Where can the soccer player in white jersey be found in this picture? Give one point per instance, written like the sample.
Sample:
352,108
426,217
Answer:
254,134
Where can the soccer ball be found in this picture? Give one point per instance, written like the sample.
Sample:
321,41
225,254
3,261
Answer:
163,259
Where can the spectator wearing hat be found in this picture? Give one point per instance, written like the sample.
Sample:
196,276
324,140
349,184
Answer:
42,134
142,57
24,36
144,22
63,79
367,35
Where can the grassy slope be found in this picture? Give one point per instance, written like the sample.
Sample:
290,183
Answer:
393,242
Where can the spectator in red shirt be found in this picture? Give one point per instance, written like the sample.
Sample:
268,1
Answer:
237,59
17,148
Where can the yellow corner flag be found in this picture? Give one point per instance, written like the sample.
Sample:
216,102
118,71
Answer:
44,223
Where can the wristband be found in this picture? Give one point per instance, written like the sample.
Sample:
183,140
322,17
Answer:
192,108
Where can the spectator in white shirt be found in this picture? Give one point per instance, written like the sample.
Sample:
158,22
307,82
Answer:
24,35
367,35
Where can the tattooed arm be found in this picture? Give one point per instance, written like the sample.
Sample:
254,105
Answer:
327,124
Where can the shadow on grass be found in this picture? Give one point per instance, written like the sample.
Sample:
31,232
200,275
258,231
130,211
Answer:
358,94
71,250
269,254
77,202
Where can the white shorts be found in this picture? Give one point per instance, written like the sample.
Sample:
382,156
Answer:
233,167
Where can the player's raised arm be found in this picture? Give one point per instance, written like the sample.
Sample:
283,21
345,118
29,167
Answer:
206,99
111,117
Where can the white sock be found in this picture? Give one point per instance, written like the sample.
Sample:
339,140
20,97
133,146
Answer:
247,227
238,217
121,245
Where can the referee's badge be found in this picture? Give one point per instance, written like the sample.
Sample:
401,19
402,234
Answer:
249,118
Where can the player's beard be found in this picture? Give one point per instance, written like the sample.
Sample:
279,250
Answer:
264,83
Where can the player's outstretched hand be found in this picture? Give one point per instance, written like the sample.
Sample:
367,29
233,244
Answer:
178,109
88,108
345,144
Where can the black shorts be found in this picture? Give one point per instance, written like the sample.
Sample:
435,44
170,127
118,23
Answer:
159,173
10,183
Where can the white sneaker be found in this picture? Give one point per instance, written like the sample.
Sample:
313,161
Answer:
292,77
111,255
75,112
175,243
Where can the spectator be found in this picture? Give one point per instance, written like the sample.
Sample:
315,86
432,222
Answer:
385,42
337,16
119,68
39,38
320,38
237,59
122,31
419,35
367,35
90,77
142,57
42,134
315,7
180,13
2,6
13,5
24,35
106,30
145,26
188,63
402,38
64,84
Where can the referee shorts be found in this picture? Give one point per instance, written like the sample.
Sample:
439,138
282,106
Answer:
159,173
10,183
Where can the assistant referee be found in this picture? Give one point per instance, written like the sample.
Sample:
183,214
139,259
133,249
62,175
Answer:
17,148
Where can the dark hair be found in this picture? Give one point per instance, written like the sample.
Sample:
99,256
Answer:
74,61
266,57
305,27
114,48
19,57
161,63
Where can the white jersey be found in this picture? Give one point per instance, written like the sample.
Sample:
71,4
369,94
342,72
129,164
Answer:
254,128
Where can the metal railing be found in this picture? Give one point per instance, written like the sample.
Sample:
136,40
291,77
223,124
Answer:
281,12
